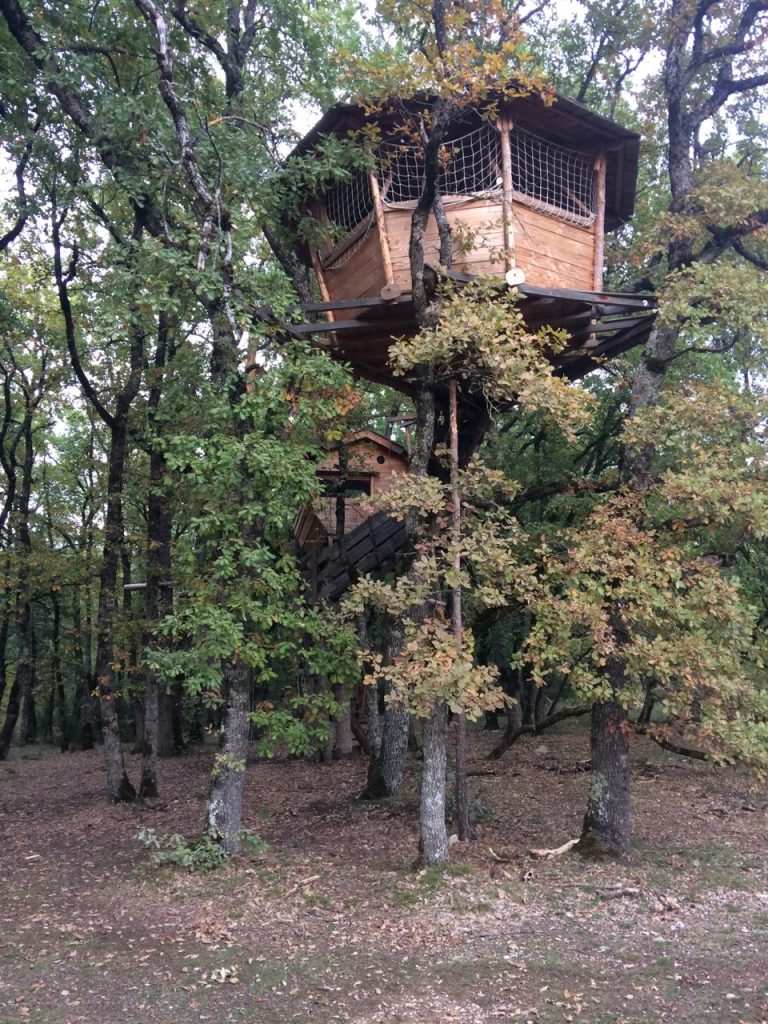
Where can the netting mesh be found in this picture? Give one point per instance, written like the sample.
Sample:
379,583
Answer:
551,178
347,205
545,176
470,166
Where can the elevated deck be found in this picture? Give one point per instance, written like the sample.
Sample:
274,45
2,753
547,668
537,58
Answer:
599,326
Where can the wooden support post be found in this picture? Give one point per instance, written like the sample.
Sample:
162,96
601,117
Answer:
389,291
599,222
504,126
322,283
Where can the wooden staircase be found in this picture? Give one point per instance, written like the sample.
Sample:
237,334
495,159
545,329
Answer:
372,548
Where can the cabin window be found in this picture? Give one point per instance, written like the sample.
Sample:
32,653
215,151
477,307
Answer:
471,166
349,203
352,488
552,178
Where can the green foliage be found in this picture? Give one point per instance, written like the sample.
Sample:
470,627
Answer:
301,723
483,339
434,664
198,857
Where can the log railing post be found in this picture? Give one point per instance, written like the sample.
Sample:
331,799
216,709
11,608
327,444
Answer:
390,290
504,127
599,222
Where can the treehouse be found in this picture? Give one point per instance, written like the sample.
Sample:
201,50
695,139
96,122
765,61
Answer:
367,467
529,192
335,552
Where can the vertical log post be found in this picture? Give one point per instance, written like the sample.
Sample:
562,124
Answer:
504,127
599,222
390,289
461,819
322,284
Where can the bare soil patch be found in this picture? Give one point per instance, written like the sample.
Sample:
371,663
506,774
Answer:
331,924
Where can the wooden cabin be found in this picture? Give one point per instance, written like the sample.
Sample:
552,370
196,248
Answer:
529,193
372,461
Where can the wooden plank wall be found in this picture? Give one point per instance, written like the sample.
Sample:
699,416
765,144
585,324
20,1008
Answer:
363,274
551,252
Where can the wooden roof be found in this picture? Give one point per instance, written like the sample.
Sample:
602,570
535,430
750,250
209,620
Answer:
566,122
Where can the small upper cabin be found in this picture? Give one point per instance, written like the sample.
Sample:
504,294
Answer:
529,191
372,461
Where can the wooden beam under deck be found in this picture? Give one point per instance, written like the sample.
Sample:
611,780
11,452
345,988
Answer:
600,325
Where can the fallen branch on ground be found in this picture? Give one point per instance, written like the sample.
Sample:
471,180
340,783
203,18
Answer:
300,885
558,851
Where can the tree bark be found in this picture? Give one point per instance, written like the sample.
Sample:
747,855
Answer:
4,625
386,766
11,716
343,741
58,678
84,679
433,837
225,798
606,823
28,668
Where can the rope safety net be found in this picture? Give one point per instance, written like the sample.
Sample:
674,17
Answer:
545,176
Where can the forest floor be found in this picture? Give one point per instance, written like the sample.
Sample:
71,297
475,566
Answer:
330,923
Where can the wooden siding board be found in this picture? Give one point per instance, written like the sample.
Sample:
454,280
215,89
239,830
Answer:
548,250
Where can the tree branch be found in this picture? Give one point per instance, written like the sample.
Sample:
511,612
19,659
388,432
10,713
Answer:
513,734
69,321
761,262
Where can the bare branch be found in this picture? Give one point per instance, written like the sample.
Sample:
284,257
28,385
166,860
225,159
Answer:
62,279
514,734
23,217
761,262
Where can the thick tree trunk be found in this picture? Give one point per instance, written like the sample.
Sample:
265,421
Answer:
119,788
606,822
225,799
161,709
11,716
148,788
433,837
386,767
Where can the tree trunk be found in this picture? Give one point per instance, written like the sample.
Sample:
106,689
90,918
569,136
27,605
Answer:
119,788
225,799
84,680
11,716
386,767
28,667
163,719
433,838
4,627
343,741
58,678
606,823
